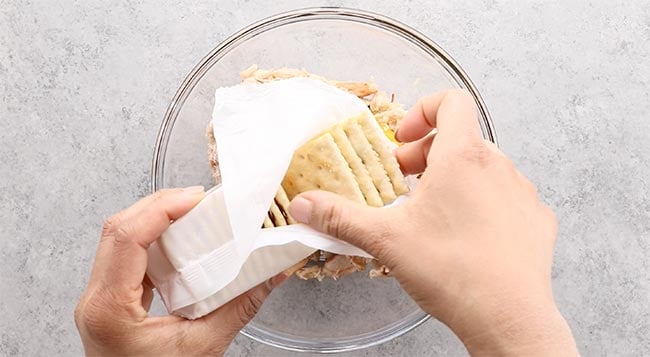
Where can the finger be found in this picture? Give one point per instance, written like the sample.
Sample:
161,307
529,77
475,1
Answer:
365,227
156,215
457,118
144,202
104,250
412,157
420,119
132,237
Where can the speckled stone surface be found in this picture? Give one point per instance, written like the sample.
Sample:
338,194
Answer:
84,85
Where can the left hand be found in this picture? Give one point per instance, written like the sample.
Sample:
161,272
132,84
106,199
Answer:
112,315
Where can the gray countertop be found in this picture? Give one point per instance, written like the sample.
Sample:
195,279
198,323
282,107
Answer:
84,87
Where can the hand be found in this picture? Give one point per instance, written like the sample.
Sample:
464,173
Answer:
112,315
473,245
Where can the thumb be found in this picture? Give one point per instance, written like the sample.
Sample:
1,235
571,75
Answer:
363,226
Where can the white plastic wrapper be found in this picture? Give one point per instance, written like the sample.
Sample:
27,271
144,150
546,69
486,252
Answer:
218,250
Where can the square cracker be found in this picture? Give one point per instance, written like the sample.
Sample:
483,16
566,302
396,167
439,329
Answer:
276,215
360,171
282,201
384,149
370,159
267,222
319,165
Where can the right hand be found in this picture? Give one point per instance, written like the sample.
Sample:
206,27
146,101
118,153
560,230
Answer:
473,245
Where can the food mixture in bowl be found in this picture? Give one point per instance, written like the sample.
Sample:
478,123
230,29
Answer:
380,188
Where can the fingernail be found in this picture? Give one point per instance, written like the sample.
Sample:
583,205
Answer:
395,135
300,209
194,189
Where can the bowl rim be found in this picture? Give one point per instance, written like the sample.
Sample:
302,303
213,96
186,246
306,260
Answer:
373,19
304,14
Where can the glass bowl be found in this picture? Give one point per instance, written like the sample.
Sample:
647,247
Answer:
330,316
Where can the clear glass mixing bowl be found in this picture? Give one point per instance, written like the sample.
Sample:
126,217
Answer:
331,316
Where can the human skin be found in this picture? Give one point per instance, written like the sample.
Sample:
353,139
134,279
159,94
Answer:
473,245
112,315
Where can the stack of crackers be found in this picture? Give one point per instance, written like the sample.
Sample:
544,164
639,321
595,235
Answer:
354,159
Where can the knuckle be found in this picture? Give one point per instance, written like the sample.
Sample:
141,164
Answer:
157,196
338,222
123,234
248,308
477,153
165,192
161,193
332,220
461,97
461,94
111,224
375,234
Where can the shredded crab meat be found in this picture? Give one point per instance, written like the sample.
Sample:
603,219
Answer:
255,75
338,266
294,268
335,267
379,270
212,153
360,263
316,256
387,112
310,272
